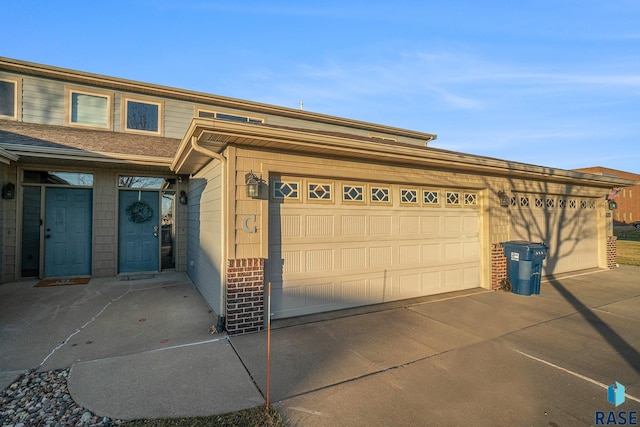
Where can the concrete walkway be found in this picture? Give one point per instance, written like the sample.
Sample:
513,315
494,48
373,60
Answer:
142,349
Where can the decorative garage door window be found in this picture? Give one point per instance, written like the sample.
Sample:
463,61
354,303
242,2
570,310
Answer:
542,202
353,193
453,198
286,190
551,203
573,204
470,199
562,203
409,196
524,201
430,197
319,191
539,202
380,195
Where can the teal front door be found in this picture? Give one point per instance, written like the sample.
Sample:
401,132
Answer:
67,243
138,241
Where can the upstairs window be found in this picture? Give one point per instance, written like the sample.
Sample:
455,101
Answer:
9,99
143,116
88,108
225,116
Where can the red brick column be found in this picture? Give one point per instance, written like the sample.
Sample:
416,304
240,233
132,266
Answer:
498,266
245,295
612,252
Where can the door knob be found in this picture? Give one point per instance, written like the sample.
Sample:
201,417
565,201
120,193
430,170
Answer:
155,230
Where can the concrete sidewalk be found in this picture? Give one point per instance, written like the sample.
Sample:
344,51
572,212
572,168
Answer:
143,350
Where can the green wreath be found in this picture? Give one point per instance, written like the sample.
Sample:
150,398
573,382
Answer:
139,212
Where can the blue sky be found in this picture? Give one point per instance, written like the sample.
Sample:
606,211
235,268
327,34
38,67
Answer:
547,82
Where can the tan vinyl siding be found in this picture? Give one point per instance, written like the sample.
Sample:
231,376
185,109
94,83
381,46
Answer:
204,251
105,223
42,101
9,229
178,115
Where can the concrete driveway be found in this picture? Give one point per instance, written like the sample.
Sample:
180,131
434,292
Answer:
476,358
142,349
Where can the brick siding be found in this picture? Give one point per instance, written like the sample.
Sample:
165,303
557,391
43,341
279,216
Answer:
612,252
245,295
498,266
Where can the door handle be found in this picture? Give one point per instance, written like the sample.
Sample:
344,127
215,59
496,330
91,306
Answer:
47,236
155,230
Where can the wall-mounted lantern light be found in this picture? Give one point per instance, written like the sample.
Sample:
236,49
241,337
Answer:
253,185
504,198
612,205
183,198
8,191
610,198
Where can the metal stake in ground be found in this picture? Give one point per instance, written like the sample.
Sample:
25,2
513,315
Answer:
268,343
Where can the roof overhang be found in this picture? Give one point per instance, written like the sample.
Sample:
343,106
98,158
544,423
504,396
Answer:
7,157
216,135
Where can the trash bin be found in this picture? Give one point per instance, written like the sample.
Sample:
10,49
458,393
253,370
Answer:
524,265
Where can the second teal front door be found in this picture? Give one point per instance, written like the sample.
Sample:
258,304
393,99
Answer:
138,241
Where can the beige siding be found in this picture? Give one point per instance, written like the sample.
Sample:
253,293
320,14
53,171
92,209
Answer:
105,223
204,252
9,228
42,101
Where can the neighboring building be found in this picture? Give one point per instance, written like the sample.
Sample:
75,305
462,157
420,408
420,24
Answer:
627,199
106,176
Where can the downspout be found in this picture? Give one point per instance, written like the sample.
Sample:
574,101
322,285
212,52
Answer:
223,289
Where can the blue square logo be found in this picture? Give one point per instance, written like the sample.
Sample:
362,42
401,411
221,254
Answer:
615,394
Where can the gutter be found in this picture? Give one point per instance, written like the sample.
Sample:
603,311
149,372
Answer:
223,289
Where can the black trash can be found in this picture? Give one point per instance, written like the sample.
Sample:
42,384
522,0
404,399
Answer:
524,265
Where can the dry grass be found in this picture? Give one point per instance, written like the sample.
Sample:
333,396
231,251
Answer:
253,417
628,252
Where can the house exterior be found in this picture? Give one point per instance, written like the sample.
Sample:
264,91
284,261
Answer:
104,176
627,199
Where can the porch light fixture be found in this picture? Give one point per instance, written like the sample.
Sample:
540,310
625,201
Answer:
504,198
253,185
610,199
9,191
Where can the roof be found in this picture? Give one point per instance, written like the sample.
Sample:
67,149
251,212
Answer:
216,135
42,141
79,77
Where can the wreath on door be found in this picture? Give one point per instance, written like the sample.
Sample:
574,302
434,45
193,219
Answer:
139,212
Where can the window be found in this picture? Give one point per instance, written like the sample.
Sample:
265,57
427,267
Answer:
353,193
319,191
225,116
551,203
430,197
380,195
452,198
409,196
285,190
471,199
524,201
142,116
539,202
88,108
10,99
148,182
58,178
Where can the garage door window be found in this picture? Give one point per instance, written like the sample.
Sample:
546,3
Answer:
353,193
409,196
380,195
319,192
453,198
470,199
430,197
286,190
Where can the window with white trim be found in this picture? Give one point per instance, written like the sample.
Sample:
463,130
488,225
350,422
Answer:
142,116
408,196
551,203
539,202
286,190
471,199
524,201
353,193
380,194
430,197
318,191
206,114
452,198
90,109
9,99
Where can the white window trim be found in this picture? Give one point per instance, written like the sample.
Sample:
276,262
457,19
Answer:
68,93
159,103
417,194
319,183
17,98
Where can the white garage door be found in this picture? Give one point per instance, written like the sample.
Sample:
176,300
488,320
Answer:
567,224
336,244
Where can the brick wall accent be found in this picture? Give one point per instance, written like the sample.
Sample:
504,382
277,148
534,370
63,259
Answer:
245,295
612,252
498,266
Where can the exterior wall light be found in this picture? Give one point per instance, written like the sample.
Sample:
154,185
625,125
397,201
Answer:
9,191
254,186
504,198
612,205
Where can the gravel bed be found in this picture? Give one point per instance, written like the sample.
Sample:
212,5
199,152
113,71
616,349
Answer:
43,399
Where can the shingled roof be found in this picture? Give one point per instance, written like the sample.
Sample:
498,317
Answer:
16,135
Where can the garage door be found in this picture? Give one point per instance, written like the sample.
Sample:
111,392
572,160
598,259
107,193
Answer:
335,244
567,224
